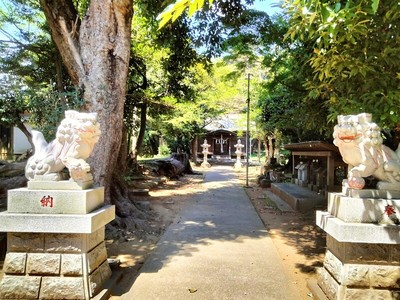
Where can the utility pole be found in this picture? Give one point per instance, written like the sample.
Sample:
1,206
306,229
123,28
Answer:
248,130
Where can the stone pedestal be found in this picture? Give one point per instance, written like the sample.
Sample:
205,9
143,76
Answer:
362,259
55,243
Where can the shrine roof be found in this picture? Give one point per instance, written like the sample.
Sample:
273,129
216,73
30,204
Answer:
229,122
220,131
312,146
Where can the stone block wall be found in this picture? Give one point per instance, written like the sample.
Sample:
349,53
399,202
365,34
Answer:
54,266
362,259
349,276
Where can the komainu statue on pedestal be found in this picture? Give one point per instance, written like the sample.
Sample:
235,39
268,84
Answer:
360,144
75,140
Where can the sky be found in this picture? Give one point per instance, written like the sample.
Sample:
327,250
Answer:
269,6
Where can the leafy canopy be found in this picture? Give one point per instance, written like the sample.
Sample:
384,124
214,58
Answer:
356,54
173,11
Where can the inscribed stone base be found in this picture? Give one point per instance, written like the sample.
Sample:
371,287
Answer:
357,232
54,266
79,202
57,223
361,209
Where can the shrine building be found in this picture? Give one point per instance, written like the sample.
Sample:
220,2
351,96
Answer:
222,135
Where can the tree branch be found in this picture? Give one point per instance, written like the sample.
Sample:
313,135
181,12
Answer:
64,22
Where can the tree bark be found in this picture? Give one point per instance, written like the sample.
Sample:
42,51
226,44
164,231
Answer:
142,129
194,149
171,167
267,155
64,24
271,147
184,159
59,72
96,53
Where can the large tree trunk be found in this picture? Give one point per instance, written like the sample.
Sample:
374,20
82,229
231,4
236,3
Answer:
96,53
173,167
105,48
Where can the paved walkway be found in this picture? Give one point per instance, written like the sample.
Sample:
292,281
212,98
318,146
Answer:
217,249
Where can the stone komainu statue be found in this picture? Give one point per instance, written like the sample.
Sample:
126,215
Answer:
75,140
360,144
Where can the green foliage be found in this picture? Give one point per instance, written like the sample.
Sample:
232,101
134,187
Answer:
246,44
162,72
210,23
43,108
163,150
215,96
279,70
173,11
229,10
46,118
26,48
178,65
150,144
31,61
356,55
13,105
182,92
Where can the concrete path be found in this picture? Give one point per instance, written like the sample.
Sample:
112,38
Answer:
218,248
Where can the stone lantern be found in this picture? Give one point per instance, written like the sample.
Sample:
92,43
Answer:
239,153
205,163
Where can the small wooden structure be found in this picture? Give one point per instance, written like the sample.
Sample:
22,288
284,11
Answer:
222,143
13,142
317,165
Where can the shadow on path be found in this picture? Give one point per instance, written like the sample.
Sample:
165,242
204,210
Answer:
217,248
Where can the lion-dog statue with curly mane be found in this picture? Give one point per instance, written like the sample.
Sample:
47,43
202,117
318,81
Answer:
75,139
360,144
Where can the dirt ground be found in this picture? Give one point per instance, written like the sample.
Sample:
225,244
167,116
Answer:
300,243
165,201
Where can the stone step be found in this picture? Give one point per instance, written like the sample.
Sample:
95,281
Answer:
299,198
138,192
281,205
